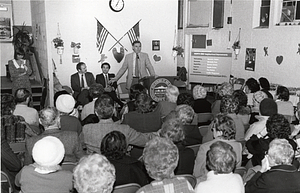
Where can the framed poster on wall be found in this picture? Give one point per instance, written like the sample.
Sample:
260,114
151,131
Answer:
6,23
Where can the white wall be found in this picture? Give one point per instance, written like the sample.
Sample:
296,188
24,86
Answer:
77,23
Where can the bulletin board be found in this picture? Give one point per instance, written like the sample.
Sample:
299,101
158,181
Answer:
210,67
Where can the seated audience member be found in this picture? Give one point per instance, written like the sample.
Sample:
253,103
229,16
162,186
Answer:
285,107
267,108
50,119
223,130
251,86
13,127
104,78
186,114
169,104
94,173
161,157
265,86
229,106
224,89
23,98
220,161
277,127
134,91
243,110
92,134
185,99
144,119
201,104
65,105
128,169
277,173
173,129
95,91
257,98
45,175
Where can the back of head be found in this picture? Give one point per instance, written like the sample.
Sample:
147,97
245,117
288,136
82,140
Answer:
47,153
143,103
229,104
113,145
21,95
160,156
281,152
241,96
172,93
226,125
253,85
172,129
258,97
7,104
49,116
264,83
65,103
225,89
221,158
57,94
199,92
96,90
104,107
278,127
185,99
283,93
185,113
268,107
94,174
135,90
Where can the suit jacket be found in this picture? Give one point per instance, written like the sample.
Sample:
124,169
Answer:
279,179
70,139
144,65
75,82
101,80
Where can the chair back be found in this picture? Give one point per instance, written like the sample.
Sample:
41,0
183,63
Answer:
195,148
206,133
241,171
127,188
190,178
6,184
68,166
122,92
205,118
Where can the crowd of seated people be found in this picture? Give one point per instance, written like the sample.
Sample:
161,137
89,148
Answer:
98,138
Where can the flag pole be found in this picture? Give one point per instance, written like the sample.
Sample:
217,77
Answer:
118,41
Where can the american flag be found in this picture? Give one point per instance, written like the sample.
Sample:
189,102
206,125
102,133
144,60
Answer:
102,34
134,32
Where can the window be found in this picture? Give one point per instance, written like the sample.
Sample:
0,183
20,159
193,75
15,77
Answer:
290,11
264,13
199,13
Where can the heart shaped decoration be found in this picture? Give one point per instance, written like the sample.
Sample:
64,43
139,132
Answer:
279,59
118,55
156,58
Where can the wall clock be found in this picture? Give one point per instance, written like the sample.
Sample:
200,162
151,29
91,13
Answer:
116,5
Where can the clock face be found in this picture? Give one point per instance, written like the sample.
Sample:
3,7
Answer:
116,5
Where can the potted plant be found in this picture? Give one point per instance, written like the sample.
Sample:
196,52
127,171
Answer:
178,51
59,45
236,47
75,47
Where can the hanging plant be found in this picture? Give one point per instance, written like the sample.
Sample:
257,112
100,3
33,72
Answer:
179,50
236,45
58,42
23,39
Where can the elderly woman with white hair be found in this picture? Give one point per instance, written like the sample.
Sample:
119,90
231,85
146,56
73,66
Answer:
94,174
201,105
277,173
169,104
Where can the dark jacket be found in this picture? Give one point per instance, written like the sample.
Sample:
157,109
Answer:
279,179
186,160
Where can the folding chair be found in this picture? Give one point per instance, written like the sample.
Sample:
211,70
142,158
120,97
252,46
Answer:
127,188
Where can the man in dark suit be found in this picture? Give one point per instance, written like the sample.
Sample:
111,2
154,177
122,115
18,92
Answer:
104,79
81,82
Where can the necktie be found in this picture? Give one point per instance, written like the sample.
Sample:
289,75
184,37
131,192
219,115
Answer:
82,81
106,80
137,65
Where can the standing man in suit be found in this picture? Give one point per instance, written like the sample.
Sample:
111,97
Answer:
137,64
104,79
81,82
